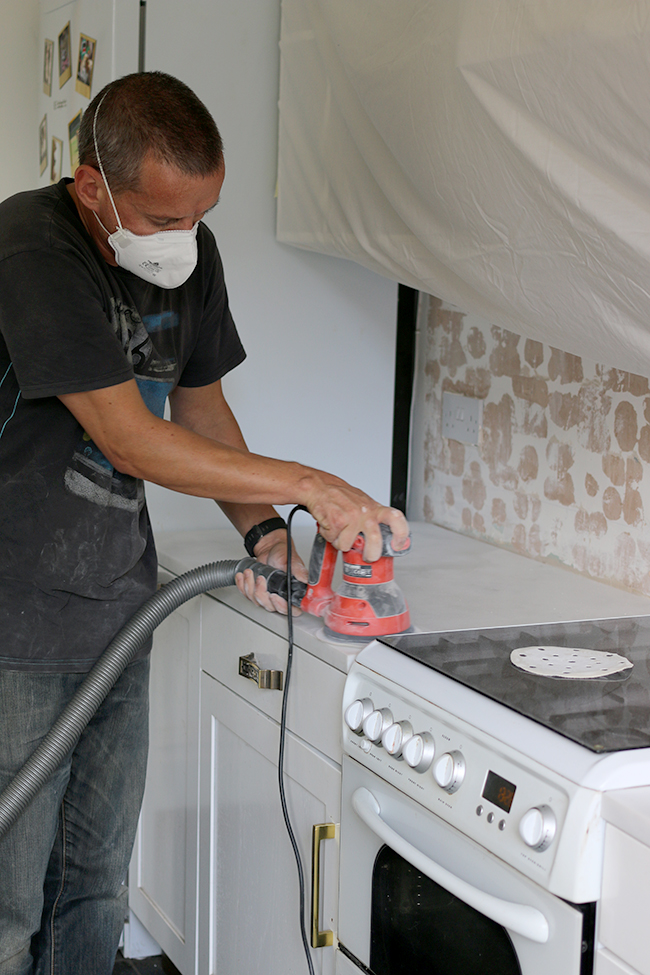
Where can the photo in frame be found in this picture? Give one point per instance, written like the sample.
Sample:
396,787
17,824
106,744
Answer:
73,138
57,160
85,64
48,61
65,63
42,145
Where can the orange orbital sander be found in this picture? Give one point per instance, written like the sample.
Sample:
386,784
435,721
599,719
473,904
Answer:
368,603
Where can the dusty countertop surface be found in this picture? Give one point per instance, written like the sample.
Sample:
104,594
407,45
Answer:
450,582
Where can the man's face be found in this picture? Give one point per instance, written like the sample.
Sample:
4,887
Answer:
165,199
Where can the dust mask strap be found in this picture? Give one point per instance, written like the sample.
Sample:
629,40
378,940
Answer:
101,168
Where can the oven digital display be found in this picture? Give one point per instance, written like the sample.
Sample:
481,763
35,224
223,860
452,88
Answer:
499,791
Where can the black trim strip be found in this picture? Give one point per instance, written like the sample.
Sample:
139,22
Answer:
588,912
407,313
142,35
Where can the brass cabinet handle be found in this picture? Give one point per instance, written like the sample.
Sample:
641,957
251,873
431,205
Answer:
324,831
266,679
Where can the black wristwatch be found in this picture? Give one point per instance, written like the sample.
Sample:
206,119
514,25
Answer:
259,531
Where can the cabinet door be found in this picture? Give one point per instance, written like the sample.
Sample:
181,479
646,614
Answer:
623,914
249,895
607,964
163,872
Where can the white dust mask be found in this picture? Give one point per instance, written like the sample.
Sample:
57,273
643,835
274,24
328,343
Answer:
166,258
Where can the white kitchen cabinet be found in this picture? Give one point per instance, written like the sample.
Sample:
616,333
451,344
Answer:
623,929
607,964
163,871
344,966
249,894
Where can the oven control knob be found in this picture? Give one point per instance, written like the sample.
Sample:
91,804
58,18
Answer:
356,713
376,723
537,827
449,771
418,751
395,737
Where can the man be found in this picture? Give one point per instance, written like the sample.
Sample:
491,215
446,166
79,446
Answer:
112,299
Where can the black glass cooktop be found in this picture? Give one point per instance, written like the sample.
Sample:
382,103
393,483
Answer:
604,714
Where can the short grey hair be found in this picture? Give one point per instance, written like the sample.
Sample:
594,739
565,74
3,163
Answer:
149,113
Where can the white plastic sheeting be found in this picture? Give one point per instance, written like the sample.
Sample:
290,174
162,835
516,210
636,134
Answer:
494,153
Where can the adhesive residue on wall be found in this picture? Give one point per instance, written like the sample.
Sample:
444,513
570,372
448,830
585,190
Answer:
563,458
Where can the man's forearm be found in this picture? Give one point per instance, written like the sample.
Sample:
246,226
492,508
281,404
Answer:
143,445
206,411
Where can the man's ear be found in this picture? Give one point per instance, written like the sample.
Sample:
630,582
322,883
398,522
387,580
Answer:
89,186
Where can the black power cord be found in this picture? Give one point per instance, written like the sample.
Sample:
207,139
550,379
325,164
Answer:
283,728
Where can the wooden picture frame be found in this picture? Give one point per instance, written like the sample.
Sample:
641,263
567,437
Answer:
56,164
73,139
65,61
48,62
42,145
85,64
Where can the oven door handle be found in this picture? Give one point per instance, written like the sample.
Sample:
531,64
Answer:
519,918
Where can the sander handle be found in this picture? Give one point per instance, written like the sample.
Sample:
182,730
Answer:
276,579
315,596
387,542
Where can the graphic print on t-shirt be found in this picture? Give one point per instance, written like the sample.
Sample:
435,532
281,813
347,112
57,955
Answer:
90,475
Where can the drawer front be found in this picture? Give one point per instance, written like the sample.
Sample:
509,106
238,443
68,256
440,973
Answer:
316,689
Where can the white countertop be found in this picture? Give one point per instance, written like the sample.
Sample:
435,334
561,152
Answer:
450,582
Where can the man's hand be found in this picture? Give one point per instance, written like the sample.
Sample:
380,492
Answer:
272,550
342,511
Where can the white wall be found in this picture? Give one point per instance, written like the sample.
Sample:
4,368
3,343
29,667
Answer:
20,80
318,382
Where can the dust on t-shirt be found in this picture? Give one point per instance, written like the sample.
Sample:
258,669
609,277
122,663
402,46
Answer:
77,556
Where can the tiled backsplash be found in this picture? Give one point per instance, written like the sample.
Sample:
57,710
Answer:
563,456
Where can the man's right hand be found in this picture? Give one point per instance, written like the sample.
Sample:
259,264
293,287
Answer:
343,511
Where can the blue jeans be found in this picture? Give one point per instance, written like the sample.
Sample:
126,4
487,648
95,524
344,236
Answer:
63,864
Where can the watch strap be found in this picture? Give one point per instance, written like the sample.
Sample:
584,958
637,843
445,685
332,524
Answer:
259,531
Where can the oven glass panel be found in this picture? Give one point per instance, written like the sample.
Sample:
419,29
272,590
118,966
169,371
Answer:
419,928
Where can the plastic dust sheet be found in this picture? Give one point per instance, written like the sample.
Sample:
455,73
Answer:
494,154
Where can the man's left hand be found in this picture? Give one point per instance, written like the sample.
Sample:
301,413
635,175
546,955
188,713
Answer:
272,550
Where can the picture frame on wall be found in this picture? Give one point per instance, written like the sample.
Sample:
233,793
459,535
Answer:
42,145
73,139
48,61
85,64
65,62
56,164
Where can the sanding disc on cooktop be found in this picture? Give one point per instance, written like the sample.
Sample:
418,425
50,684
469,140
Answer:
569,662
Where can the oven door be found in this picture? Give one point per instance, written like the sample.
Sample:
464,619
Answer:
419,897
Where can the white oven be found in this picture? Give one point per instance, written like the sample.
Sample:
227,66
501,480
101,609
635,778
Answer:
471,836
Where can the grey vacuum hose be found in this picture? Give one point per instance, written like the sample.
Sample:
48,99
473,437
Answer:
69,726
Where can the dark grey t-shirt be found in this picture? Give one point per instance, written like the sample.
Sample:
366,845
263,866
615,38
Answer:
76,552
